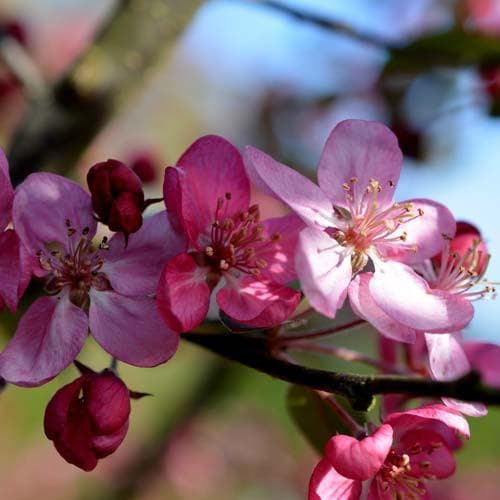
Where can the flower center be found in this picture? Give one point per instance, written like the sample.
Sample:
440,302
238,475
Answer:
75,265
236,241
365,223
459,273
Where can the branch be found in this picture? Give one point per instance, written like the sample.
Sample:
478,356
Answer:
325,24
60,124
254,352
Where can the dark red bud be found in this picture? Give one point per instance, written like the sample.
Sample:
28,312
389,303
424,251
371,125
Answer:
117,195
88,418
16,30
145,166
490,76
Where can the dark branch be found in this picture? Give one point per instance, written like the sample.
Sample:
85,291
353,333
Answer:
360,389
327,24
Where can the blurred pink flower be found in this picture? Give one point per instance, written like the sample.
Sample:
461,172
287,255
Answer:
408,449
109,289
88,419
208,196
352,219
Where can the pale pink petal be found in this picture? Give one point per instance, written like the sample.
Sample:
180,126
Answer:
447,361
130,329
327,484
42,205
48,338
485,358
209,169
280,254
135,269
362,150
366,308
402,422
258,303
425,235
359,459
406,297
11,268
324,269
183,295
6,192
297,191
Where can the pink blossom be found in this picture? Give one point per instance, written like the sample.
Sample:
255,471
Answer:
15,264
108,289
88,419
248,260
398,458
352,218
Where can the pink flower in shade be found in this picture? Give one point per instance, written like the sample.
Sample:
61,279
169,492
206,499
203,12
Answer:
352,218
15,263
208,196
456,272
109,289
88,419
406,451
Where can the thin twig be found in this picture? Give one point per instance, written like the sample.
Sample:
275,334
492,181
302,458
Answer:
284,339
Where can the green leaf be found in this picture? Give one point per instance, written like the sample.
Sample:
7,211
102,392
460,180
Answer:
452,48
316,418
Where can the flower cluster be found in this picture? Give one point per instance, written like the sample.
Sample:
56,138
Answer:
405,267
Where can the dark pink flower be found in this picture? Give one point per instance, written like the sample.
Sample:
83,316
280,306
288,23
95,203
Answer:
117,196
406,451
145,165
108,289
88,419
352,219
208,196
15,263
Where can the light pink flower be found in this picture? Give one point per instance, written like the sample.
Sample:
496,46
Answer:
406,451
208,196
107,289
15,264
352,219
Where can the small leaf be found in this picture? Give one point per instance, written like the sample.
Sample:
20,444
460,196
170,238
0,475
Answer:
316,418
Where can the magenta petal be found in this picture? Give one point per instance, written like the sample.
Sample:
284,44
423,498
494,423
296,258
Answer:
324,269
257,303
183,295
135,269
48,338
42,205
6,192
484,358
106,444
210,168
396,288
363,150
327,484
424,234
11,268
280,254
297,191
366,308
403,422
359,459
130,329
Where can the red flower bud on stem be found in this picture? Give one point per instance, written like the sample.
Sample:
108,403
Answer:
88,419
117,196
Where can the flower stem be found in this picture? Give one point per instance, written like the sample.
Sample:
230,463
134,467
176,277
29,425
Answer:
284,339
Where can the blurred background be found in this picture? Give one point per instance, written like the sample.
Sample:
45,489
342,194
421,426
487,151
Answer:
139,80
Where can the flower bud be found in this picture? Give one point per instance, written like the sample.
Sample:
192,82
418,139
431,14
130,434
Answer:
117,196
145,166
88,418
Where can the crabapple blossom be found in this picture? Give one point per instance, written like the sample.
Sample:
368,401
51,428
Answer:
87,419
352,219
107,289
15,263
117,195
398,458
249,261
